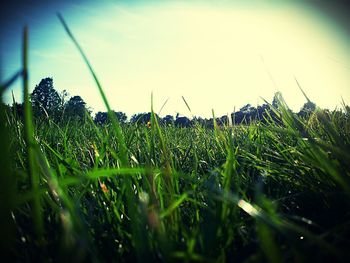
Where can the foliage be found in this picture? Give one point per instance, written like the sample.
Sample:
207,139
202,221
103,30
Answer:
142,118
102,117
182,122
45,99
168,119
76,108
307,109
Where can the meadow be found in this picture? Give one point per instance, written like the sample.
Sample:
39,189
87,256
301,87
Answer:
264,192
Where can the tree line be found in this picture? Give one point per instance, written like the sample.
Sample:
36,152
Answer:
47,103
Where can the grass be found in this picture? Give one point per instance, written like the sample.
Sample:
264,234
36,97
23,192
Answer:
266,192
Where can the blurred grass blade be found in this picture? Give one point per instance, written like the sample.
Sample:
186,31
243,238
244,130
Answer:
174,205
165,102
9,82
268,243
188,107
8,191
33,170
112,172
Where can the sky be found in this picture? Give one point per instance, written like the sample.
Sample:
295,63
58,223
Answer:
218,55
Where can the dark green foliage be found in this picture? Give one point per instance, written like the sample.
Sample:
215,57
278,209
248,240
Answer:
182,122
76,108
142,118
102,117
168,119
45,100
307,109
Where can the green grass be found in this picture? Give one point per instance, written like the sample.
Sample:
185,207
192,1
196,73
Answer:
259,193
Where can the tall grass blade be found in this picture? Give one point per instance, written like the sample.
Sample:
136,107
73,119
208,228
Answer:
188,107
9,82
8,191
33,170
307,98
123,149
165,102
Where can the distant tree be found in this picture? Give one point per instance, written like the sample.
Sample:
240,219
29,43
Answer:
75,108
245,115
121,117
102,117
238,117
308,108
262,112
45,99
63,95
199,120
142,118
222,121
168,119
246,109
135,118
183,122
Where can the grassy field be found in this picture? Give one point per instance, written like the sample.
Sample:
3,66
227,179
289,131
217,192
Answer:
263,192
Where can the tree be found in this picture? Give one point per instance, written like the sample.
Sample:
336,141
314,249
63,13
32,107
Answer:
121,117
183,122
102,117
199,120
76,108
222,121
308,108
262,112
168,119
45,99
141,118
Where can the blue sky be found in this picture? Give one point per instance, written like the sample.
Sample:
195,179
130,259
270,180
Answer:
218,56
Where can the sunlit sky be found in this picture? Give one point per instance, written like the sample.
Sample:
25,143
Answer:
218,56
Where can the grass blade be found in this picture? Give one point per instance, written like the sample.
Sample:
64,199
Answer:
33,170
